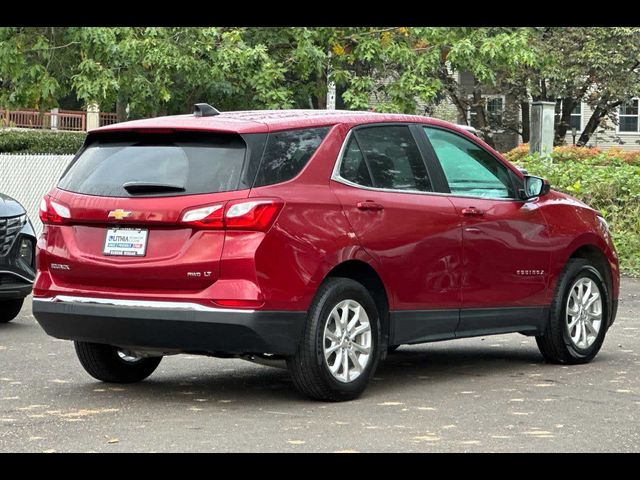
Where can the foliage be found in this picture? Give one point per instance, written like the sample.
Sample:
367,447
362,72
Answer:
45,142
597,65
605,182
578,154
149,71
165,70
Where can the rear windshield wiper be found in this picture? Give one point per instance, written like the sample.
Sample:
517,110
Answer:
148,187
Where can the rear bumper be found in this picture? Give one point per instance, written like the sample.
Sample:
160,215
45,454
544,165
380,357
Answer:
14,291
170,326
13,285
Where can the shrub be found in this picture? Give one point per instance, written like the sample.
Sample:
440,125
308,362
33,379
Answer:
40,141
607,182
580,154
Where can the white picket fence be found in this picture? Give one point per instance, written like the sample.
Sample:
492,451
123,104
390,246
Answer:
28,177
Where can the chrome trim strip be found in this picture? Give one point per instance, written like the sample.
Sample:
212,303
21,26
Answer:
335,176
140,303
17,275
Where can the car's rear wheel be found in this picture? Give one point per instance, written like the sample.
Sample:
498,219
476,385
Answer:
114,365
578,318
9,309
338,353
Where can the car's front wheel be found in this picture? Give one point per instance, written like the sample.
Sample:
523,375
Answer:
9,309
338,353
578,317
113,365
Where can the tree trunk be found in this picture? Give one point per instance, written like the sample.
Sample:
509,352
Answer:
568,104
121,108
598,114
526,122
321,83
454,91
482,123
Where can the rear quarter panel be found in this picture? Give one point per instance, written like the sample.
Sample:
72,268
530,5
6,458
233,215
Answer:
309,238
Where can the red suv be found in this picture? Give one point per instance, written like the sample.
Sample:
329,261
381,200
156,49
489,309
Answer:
323,238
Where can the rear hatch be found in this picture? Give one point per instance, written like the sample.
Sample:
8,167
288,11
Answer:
115,219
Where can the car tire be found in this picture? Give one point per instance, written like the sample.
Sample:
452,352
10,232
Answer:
319,353
558,343
105,363
9,309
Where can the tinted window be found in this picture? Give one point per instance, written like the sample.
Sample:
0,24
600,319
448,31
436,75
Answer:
393,158
354,167
470,170
286,154
192,163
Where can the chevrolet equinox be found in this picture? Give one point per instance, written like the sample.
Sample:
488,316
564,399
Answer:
323,239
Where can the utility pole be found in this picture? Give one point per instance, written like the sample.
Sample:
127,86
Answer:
331,87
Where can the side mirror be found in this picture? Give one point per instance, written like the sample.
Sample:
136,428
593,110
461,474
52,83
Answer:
534,187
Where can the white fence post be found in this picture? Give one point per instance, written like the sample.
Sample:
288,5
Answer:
93,116
54,118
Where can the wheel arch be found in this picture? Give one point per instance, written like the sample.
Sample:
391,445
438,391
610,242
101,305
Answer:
365,274
597,255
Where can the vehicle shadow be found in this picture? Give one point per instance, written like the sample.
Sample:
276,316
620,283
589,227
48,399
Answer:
13,325
252,385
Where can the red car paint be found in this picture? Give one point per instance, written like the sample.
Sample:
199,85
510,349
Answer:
428,253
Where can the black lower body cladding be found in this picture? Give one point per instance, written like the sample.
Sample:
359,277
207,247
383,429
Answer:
199,330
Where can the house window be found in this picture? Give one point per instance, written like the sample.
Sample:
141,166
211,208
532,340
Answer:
494,108
628,117
576,118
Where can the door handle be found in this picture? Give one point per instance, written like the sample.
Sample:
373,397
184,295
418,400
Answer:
472,212
369,205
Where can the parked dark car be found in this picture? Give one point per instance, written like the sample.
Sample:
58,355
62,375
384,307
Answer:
17,257
325,239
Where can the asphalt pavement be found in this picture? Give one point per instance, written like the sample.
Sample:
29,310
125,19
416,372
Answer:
487,394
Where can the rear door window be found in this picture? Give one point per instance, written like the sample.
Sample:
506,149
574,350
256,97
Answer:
134,164
392,157
286,154
353,167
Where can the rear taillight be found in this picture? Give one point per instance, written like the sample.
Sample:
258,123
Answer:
205,217
53,212
252,215
255,215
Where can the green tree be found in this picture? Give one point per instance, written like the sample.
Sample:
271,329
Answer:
34,66
597,65
160,70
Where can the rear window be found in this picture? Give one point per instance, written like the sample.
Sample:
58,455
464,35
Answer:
133,164
286,153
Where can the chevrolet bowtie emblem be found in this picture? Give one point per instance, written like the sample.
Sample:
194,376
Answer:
119,214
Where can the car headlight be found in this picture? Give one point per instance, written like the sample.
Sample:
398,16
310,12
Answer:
26,251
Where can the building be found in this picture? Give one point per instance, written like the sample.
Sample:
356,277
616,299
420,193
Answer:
505,112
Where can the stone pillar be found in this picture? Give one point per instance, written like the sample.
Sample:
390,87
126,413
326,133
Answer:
93,116
542,122
54,118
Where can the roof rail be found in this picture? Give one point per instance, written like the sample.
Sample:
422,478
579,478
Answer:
204,110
